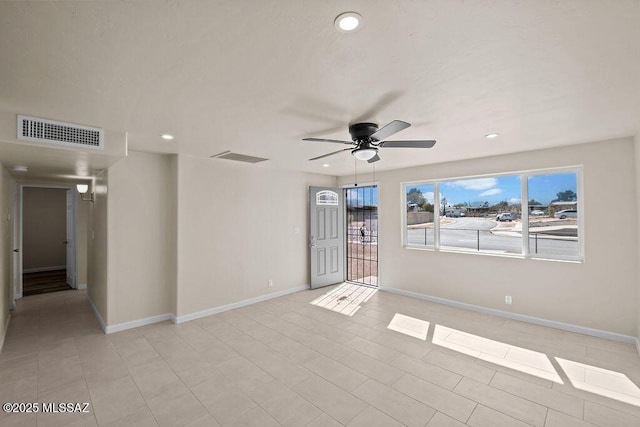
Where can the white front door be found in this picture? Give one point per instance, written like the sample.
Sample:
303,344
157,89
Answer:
326,236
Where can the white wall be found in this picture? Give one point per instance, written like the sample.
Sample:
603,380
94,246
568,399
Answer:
191,234
600,293
141,236
44,228
237,229
82,234
637,207
172,273
98,244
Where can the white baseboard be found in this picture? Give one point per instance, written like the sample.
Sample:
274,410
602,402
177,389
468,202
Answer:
81,286
128,325
97,313
521,317
220,309
139,322
181,319
4,333
38,270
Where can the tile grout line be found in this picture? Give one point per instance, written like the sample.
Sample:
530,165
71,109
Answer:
135,384
322,333
84,379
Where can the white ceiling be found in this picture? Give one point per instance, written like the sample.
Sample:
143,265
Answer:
256,77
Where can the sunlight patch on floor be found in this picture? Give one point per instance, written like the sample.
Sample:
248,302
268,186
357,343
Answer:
507,355
611,384
345,299
409,326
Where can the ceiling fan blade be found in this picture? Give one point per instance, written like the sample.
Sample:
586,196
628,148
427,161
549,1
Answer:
328,140
374,158
389,129
384,101
330,154
408,144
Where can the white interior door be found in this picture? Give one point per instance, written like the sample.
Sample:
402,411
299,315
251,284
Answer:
326,236
16,226
71,239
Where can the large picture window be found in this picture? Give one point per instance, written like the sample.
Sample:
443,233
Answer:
420,215
533,214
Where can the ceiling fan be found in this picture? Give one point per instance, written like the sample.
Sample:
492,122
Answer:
367,139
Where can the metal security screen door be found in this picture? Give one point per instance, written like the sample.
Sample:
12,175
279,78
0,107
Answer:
326,239
362,235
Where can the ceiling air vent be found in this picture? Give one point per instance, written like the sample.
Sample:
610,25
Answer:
51,132
228,155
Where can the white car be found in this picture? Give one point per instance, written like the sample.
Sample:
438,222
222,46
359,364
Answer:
567,213
506,216
536,212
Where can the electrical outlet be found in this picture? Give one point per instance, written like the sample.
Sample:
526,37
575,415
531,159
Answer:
270,283
507,299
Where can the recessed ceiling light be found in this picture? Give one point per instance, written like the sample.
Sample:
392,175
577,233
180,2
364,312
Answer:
20,168
347,22
166,136
491,135
326,165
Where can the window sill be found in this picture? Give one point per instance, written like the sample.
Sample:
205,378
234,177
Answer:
494,254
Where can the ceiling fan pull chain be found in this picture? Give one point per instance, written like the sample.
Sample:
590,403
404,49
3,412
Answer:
355,171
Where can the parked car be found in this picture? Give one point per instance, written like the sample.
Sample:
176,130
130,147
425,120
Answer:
506,216
536,212
567,213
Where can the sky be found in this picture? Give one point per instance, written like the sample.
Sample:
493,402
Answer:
475,192
360,196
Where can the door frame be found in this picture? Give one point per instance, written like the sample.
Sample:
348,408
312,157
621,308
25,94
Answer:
344,188
18,232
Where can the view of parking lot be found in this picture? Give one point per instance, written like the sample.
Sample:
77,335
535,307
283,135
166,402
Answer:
551,237
493,222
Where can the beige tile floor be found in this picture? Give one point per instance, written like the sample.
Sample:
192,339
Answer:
287,362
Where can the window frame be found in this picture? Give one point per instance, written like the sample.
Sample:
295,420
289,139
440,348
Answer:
524,201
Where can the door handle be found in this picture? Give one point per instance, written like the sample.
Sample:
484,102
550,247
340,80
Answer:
66,242
312,245
16,250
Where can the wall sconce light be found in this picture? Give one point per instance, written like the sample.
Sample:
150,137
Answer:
82,189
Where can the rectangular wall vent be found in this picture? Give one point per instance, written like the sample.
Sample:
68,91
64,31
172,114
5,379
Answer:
228,155
52,132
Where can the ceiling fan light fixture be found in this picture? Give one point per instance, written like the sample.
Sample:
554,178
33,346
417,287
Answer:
364,154
491,135
348,22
